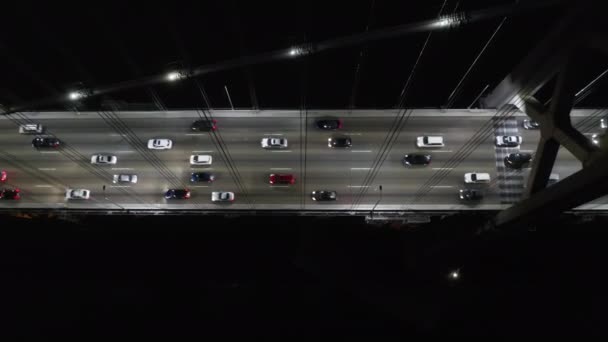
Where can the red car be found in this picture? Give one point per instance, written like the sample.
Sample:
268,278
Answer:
3,176
10,194
281,179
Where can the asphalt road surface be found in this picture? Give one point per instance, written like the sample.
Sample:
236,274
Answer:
243,167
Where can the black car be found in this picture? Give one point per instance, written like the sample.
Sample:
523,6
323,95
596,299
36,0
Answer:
470,195
177,194
329,124
204,125
416,159
517,160
324,195
45,142
10,194
198,177
341,141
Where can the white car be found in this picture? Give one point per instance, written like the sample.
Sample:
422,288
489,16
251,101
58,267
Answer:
604,123
123,178
508,140
200,159
429,141
274,143
160,144
103,159
77,194
221,196
595,139
31,129
476,177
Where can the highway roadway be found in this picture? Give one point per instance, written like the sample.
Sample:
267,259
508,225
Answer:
43,175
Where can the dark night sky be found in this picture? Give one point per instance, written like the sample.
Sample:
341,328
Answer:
49,48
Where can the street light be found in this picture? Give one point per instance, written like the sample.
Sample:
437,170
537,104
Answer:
175,75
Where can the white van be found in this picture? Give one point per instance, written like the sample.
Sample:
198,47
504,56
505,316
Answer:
429,141
30,128
477,177
200,159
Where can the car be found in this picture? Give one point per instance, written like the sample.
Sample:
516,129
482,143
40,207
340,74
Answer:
10,194
530,124
508,140
103,159
416,159
329,124
324,195
204,125
342,141
604,123
198,177
160,144
31,129
281,179
274,143
595,139
200,159
3,176
429,141
177,194
517,160
45,142
222,196
77,194
470,195
124,178
477,177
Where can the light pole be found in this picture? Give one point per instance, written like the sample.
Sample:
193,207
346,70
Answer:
380,199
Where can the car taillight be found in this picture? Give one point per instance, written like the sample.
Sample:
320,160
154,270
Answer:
339,123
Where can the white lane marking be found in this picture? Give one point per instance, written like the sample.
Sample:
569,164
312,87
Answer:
120,186
443,168
442,186
202,169
117,135
279,186
200,186
273,134
49,151
122,168
47,169
195,134
527,151
361,151
349,133
441,151
360,168
125,151
357,186
280,168
280,151
43,186
202,151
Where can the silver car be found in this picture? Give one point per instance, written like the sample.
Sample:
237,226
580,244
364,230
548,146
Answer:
222,196
103,159
124,178
160,144
274,143
77,194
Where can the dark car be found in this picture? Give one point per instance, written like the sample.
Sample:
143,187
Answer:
324,195
45,142
517,160
177,194
204,125
329,124
10,194
198,177
341,141
530,124
281,179
470,195
416,159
